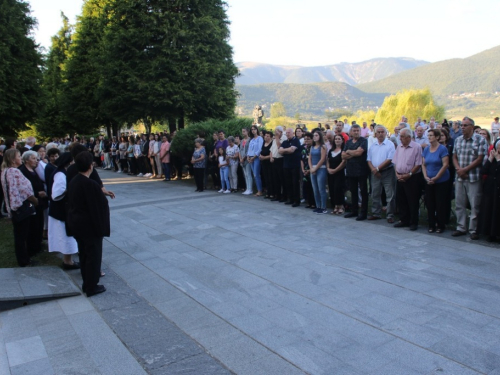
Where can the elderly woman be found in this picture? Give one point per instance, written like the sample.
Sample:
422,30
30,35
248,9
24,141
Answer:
435,160
28,169
489,217
88,221
17,189
58,240
199,161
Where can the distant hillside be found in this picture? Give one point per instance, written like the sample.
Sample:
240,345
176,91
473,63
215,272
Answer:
313,98
477,73
351,73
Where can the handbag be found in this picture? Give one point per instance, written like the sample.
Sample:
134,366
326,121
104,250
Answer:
26,210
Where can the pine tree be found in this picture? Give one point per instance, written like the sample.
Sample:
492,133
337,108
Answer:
54,120
20,67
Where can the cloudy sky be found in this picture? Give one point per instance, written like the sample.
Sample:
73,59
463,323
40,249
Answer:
322,32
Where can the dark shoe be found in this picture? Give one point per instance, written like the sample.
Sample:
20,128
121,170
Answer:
288,202
98,289
413,227
474,236
400,224
390,220
296,205
350,214
282,200
373,218
274,200
458,233
361,218
74,266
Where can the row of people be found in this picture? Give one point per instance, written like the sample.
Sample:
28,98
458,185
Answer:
400,174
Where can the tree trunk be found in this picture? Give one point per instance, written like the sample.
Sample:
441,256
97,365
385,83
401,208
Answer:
181,122
116,130
147,126
172,126
109,130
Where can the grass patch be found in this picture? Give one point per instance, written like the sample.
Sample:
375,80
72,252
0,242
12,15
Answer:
8,255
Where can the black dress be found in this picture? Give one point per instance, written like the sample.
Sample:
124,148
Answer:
336,182
489,215
34,243
266,169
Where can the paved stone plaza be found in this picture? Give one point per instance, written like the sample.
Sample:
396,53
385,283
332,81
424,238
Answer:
207,283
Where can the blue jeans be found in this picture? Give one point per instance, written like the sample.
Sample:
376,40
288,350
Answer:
224,178
256,173
166,170
247,170
318,181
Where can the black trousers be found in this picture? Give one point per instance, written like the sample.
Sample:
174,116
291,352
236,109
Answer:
336,184
408,195
35,234
133,165
278,178
267,173
292,184
199,178
90,249
436,199
308,191
146,164
362,182
21,235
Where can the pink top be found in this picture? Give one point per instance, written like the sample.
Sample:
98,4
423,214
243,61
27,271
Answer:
165,146
20,188
405,158
365,131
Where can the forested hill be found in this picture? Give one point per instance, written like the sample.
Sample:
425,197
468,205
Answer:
351,73
305,98
477,73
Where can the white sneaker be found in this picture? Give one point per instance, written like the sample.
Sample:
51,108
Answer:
148,175
140,175
119,172
221,191
248,192
227,192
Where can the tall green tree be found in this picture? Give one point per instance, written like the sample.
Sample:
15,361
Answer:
412,103
83,71
54,120
175,62
20,67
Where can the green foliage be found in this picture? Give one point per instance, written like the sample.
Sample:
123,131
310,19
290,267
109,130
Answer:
409,103
278,110
280,121
53,119
183,143
297,117
82,70
20,67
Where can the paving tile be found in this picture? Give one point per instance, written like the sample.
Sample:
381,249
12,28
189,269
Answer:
26,350
37,367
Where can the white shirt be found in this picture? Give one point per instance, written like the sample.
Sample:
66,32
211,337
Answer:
380,152
274,148
495,127
347,128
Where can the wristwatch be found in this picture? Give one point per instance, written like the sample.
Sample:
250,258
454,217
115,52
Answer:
411,174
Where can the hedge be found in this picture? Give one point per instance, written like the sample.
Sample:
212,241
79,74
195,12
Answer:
184,138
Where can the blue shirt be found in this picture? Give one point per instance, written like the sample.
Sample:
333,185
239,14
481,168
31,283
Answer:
255,146
434,162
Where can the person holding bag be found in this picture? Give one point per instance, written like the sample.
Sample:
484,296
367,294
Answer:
20,202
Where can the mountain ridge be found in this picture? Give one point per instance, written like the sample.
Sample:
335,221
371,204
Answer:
352,73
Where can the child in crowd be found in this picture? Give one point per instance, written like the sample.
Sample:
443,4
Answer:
224,171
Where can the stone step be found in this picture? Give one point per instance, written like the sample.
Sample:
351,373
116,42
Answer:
29,285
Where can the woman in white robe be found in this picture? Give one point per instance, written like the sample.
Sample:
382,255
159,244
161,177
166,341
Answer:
58,240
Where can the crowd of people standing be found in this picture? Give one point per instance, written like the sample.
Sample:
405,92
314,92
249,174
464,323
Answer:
431,164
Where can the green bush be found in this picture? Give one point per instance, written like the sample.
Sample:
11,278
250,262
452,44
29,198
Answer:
184,139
